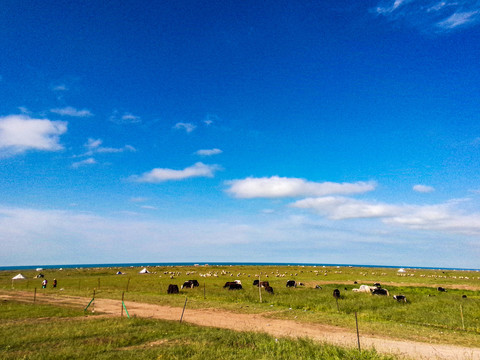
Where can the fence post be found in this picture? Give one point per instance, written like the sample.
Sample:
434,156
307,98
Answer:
184,305
461,313
123,295
358,335
34,296
259,289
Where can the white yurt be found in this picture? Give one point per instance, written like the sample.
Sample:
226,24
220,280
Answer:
19,277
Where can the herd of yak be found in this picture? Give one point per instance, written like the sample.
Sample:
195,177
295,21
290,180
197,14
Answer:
376,289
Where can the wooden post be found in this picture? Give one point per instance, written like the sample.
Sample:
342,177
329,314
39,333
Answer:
461,313
358,335
123,295
93,304
128,283
259,289
34,296
184,305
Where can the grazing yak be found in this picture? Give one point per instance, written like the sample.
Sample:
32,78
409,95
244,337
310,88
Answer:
291,283
400,298
172,289
190,284
232,285
441,289
374,290
269,289
380,291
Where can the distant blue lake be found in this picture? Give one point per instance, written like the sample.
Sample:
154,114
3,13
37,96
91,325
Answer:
118,265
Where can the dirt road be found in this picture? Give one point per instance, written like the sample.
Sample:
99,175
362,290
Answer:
259,323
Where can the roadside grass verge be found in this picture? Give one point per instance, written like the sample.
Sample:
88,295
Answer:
27,335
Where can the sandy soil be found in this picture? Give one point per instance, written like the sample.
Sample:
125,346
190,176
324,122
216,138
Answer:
257,322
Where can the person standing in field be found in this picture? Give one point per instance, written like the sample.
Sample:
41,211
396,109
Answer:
54,283
44,284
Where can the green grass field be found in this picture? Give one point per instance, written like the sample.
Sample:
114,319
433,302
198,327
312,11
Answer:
429,315
30,331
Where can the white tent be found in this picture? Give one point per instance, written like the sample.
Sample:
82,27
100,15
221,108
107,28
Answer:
401,270
144,271
19,277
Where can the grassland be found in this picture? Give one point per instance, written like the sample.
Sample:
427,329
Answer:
51,332
428,316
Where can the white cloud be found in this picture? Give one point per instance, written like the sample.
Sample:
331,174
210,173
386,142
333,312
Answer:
20,133
159,174
278,187
431,16
94,147
89,161
208,152
423,188
188,127
71,111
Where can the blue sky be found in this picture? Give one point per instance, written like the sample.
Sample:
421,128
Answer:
245,131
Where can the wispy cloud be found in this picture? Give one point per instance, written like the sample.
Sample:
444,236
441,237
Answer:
188,127
423,188
89,161
161,174
338,208
431,15
20,133
138,199
460,19
60,87
439,217
125,118
210,119
94,147
280,187
208,152
71,111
